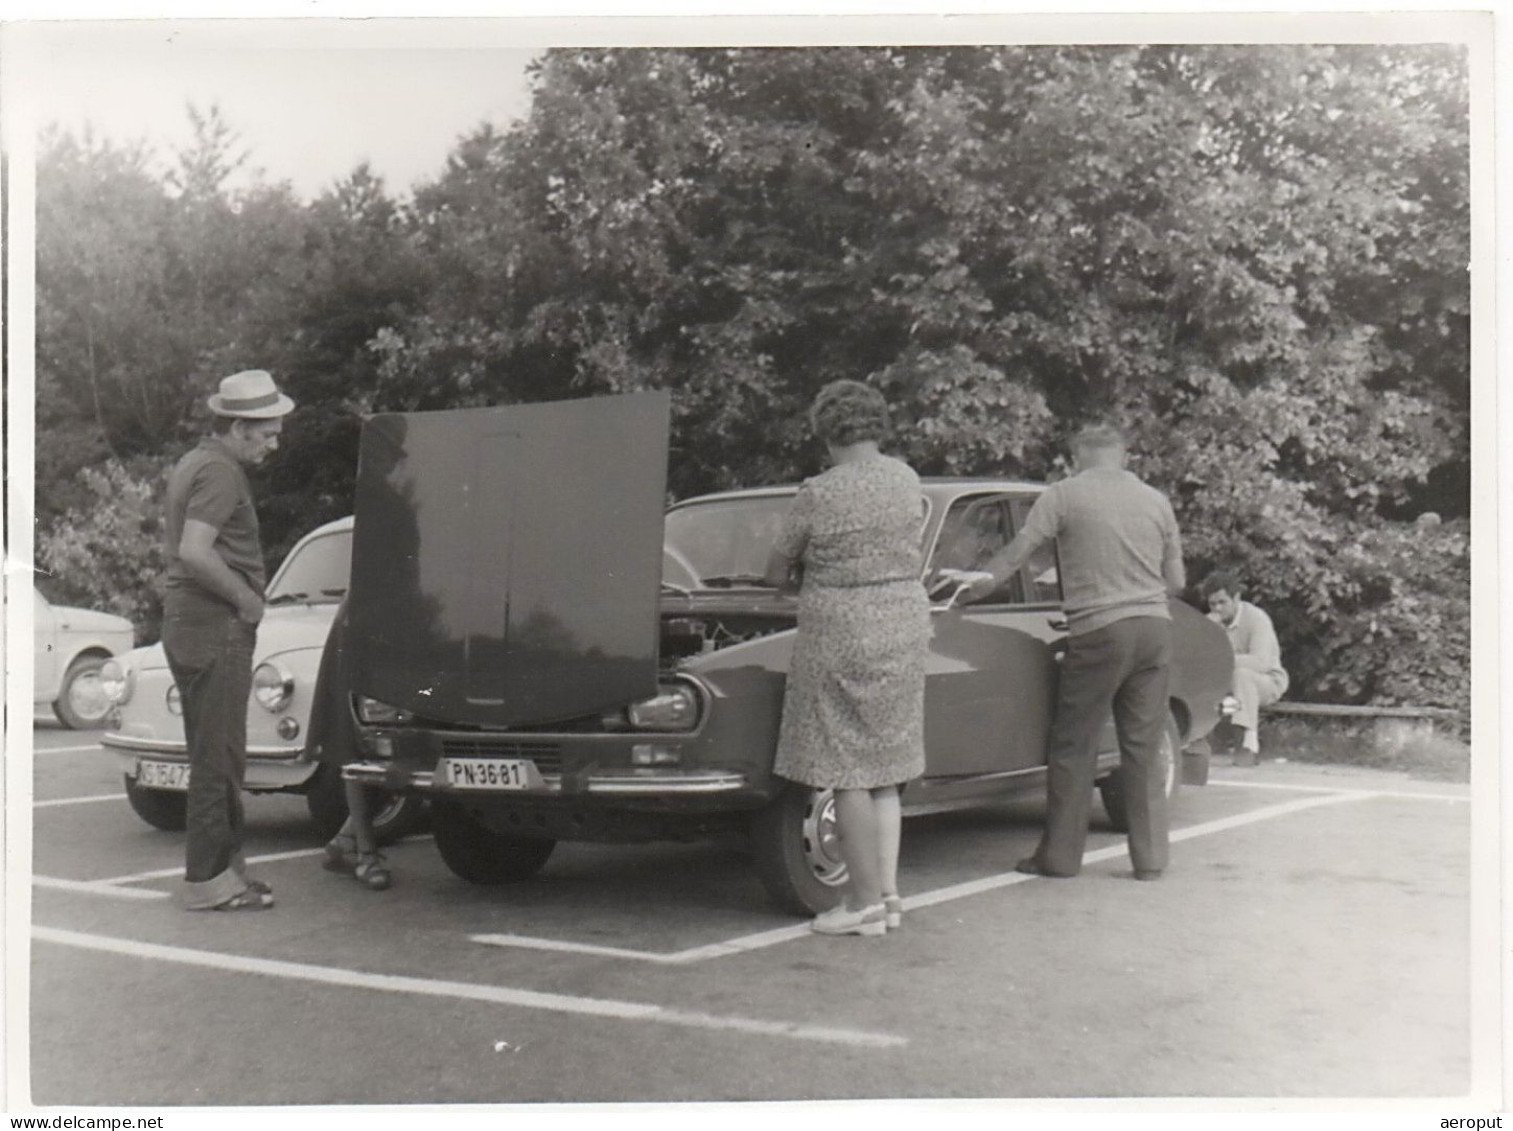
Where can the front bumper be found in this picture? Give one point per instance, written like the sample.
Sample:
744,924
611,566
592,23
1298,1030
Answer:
636,782
268,768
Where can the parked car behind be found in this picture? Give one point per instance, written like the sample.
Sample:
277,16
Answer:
146,728
69,647
512,659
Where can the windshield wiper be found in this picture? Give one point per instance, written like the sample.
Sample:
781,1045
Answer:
288,598
669,587
733,579
334,592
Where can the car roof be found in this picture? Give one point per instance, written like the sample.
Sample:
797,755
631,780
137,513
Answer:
936,486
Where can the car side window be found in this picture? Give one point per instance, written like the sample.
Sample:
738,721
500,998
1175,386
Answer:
971,533
1042,571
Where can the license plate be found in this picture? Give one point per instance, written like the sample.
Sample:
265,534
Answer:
491,773
163,775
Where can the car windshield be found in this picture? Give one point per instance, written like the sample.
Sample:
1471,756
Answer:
316,572
723,542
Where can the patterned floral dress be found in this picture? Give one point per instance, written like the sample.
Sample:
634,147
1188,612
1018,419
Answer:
854,709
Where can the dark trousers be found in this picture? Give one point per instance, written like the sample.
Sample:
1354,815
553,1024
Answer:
1123,667
210,655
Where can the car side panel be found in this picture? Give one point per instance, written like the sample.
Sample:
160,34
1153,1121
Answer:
990,689
1203,668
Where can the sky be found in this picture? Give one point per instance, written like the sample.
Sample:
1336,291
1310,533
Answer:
305,114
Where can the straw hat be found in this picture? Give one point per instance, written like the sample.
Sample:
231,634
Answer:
250,394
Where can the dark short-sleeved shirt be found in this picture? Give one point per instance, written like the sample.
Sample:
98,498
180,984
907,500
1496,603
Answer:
209,485
1118,545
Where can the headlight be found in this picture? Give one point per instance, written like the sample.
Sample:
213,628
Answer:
272,687
674,707
1229,706
377,712
117,681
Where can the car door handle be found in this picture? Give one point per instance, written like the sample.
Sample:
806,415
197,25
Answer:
1056,624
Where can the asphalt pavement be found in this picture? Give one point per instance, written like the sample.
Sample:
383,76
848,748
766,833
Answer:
1309,940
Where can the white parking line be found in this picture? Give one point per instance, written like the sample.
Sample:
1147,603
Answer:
95,887
65,749
1344,791
178,870
78,800
465,991
265,858
762,939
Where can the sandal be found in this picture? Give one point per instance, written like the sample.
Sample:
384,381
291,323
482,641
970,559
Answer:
248,899
341,854
371,873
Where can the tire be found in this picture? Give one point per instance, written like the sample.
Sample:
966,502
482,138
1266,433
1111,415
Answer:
164,809
1169,758
395,815
476,853
796,850
81,703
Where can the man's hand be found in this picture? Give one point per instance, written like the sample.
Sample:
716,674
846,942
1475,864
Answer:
970,584
249,609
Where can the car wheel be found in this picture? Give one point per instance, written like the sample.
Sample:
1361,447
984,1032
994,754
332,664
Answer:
81,702
164,809
796,848
476,853
1168,760
394,815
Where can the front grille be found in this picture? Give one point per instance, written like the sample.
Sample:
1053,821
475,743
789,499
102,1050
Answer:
546,755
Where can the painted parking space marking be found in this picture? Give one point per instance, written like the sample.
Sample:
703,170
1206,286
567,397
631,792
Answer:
265,858
1410,795
65,749
78,800
465,991
96,887
761,939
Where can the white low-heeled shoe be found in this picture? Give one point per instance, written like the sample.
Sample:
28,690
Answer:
843,921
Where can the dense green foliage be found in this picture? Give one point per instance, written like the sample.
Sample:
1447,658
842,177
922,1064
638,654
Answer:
1254,256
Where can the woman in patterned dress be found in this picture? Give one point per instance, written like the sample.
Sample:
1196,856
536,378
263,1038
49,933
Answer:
853,711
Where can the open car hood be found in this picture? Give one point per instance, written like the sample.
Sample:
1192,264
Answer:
506,562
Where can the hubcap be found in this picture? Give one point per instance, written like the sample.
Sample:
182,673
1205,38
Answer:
384,806
822,842
86,697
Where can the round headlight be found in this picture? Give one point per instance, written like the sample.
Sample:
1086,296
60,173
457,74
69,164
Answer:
272,687
174,700
674,707
117,681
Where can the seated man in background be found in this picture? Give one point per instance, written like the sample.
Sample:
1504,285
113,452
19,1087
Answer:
1259,676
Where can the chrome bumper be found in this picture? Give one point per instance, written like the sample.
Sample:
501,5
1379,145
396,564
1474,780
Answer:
120,741
280,771
624,783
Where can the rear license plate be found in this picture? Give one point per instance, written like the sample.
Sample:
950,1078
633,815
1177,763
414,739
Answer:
162,775
491,773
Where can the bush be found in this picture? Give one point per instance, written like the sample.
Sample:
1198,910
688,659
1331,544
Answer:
109,555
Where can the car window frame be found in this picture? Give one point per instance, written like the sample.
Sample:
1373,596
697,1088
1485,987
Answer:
300,547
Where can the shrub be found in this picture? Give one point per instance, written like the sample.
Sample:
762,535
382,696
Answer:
109,554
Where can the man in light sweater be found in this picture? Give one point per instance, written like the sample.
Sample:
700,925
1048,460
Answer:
1120,558
1259,676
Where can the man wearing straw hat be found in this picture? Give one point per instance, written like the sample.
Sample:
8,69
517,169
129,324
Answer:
212,604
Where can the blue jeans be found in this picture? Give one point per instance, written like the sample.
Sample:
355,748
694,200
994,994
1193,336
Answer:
210,655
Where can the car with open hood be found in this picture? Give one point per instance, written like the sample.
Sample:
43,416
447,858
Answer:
545,652
145,724
69,647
